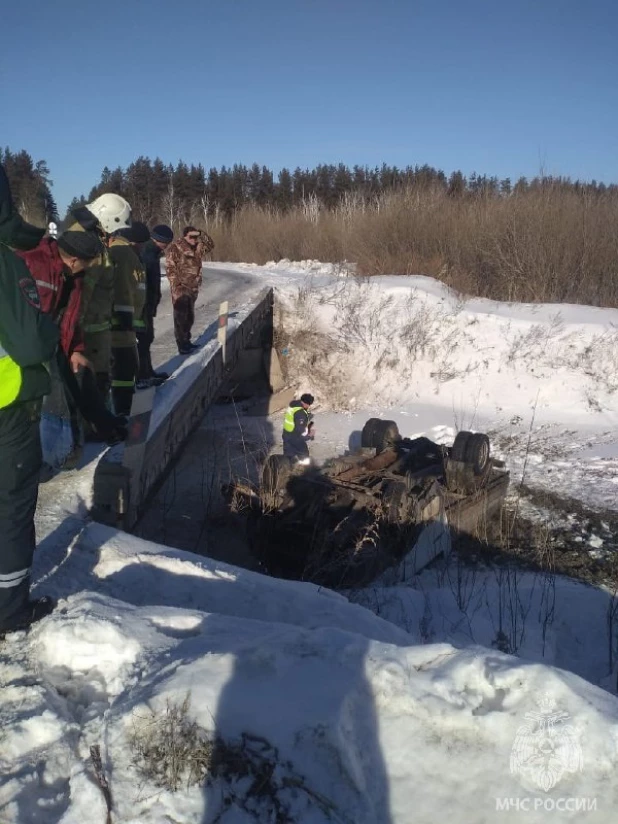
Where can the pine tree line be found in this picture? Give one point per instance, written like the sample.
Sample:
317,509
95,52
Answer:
187,194
30,186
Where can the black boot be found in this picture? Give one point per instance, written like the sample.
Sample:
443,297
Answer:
31,612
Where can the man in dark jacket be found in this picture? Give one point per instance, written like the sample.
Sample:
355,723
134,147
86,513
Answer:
58,268
160,238
28,338
298,429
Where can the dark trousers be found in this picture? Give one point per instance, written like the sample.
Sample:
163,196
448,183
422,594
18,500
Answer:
20,458
295,445
102,380
145,337
124,370
103,385
184,317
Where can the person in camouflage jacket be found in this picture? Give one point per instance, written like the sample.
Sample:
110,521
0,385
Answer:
183,263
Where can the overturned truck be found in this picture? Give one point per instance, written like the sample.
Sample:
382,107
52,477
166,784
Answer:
344,523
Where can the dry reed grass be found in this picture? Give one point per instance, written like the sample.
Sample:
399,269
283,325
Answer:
550,244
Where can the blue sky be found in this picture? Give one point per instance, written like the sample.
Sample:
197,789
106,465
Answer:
508,87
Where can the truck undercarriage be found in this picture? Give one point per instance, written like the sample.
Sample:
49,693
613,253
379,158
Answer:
344,523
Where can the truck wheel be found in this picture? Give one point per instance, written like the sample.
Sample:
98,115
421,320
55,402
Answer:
385,435
275,473
477,453
368,432
460,446
395,501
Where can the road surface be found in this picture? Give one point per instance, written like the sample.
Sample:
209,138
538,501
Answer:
219,284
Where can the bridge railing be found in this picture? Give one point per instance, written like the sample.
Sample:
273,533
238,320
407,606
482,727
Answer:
127,477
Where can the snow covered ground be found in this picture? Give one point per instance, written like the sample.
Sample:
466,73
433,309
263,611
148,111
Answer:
397,708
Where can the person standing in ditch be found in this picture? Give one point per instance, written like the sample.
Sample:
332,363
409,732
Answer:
183,261
298,429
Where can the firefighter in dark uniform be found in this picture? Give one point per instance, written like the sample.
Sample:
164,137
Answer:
298,429
160,238
128,313
111,212
28,338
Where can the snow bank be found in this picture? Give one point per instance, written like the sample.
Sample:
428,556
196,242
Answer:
396,340
376,727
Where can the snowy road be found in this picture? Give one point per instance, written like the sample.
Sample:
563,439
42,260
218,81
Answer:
220,283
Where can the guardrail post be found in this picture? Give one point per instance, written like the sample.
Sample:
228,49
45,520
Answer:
222,330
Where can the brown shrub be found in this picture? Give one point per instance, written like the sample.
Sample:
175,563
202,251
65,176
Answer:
549,244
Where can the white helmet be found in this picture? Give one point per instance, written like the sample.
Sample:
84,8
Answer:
52,230
112,211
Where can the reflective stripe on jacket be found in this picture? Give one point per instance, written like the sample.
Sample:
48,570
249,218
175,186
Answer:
288,420
296,419
28,337
98,296
129,292
10,379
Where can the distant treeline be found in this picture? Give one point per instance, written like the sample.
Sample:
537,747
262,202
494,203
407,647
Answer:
182,193
30,185
545,239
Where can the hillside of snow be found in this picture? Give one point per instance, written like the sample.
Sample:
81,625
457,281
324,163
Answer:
389,705
363,723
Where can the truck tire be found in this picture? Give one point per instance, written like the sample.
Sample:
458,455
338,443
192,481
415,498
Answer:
385,435
379,434
275,473
460,446
368,432
477,453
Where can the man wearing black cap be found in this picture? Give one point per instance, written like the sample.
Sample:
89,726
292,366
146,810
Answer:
298,429
28,339
160,238
58,268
